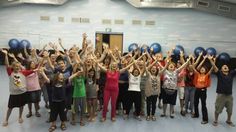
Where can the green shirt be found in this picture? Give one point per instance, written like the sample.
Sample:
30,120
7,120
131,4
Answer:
79,87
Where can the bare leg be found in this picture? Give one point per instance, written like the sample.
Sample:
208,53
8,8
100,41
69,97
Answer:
36,106
30,110
20,114
9,110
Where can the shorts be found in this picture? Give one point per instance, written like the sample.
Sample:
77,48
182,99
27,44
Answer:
181,92
222,101
34,96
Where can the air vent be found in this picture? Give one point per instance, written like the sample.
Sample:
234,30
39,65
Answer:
137,22
60,19
150,23
203,3
76,20
44,18
119,21
223,8
106,21
85,20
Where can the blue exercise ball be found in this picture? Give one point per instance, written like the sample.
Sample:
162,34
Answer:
198,50
133,47
156,47
145,47
224,57
13,43
211,51
177,50
24,43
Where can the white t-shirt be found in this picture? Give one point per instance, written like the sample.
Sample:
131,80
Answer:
134,83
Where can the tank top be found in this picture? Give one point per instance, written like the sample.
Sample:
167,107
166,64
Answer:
134,83
112,79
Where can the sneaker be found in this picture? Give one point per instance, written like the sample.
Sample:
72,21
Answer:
29,115
148,118
204,122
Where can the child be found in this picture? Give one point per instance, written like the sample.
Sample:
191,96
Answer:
17,87
79,94
33,90
170,87
58,100
202,82
91,94
153,89
224,92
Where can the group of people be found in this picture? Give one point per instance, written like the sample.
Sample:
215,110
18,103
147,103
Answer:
83,81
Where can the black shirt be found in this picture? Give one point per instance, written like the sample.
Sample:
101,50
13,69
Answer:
58,93
225,82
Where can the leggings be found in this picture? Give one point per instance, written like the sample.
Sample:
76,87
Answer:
123,88
110,94
202,95
151,102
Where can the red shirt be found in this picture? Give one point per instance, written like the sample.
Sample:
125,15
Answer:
112,79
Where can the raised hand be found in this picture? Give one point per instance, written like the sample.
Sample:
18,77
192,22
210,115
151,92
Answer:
11,55
181,53
19,55
4,51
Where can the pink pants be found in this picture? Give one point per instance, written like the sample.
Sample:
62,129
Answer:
113,94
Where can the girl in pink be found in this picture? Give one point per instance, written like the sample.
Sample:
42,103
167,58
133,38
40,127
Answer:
33,90
111,89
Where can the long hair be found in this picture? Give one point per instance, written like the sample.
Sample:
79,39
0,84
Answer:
94,76
55,79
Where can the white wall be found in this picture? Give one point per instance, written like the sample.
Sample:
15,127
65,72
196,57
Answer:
187,27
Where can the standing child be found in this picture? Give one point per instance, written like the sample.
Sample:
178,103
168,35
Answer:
91,94
170,87
79,94
153,89
58,105
202,82
17,87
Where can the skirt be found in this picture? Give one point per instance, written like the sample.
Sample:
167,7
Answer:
34,96
169,98
17,100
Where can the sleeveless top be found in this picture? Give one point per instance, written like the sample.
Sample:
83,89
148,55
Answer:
134,83
112,79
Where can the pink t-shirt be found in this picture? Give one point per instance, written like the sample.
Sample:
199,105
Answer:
112,79
32,82
181,78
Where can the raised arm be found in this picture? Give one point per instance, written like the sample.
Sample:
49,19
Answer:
200,65
182,61
198,59
26,52
185,64
215,68
41,71
6,57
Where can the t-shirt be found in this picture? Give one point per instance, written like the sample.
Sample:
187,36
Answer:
32,82
170,80
58,93
225,82
124,76
79,87
189,79
67,72
134,83
181,78
17,81
201,80
153,85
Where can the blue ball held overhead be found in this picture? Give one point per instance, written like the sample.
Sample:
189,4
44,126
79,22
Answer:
24,43
13,43
198,50
145,47
156,48
211,51
177,50
224,57
132,47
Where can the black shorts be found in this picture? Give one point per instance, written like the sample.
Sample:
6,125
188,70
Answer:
169,98
17,100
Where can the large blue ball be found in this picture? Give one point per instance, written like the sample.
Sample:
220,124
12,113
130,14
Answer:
156,47
145,47
24,43
177,50
224,57
13,43
198,50
211,51
133,47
